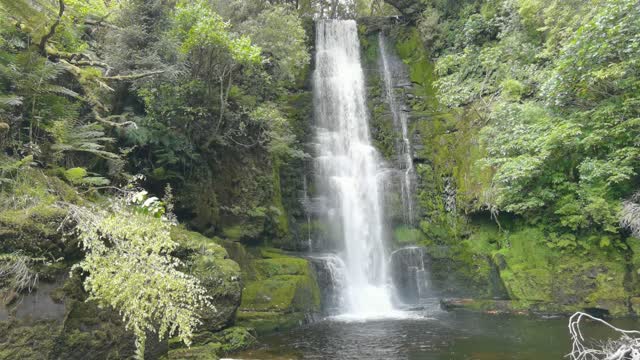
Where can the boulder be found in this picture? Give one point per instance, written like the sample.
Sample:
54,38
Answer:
280,291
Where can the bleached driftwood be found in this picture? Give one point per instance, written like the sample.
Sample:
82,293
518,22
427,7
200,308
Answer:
626,347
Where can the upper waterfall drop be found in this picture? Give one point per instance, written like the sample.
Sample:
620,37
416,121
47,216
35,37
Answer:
349,170
391,69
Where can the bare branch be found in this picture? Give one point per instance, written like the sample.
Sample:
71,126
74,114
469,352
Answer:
52,30
133,76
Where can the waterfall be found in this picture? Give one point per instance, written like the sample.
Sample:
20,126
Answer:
307,206
349,170
392,68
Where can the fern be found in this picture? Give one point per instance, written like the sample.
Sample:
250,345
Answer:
10,100
89,138
8,168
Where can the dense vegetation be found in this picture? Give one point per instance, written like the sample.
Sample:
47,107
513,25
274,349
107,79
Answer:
532,117
557,84
526,114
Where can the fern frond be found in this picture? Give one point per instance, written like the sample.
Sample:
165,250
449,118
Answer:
89,138
10,100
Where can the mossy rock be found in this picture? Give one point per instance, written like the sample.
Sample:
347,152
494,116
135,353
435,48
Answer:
210,263
279,291
89,330
265,322
282,283
33,230
31,223
209,345
202,352
245,231
234,339
555,281
281,266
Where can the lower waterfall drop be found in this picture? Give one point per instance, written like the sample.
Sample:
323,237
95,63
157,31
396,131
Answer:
349,171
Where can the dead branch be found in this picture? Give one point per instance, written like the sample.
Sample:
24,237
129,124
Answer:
133,76
626,347
52,30
108,120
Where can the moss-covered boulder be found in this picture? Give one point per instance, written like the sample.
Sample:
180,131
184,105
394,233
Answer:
280,291
19,341
30,218
210,346
220,275
540,278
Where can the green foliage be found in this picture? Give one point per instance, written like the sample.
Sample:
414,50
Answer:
553,84
89,138
279,32
404,235
281,139
9,167
130,268
198,26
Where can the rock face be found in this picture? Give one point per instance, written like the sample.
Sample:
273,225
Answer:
329,271
279,291
410,271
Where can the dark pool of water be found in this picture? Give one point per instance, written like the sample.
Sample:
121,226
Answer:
436,336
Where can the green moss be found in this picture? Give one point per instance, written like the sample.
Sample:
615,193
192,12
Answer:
533,272
33,230
405,235
282,283
89,330
242,232
208,344
276,287
27,342
281,266
267,322
383,134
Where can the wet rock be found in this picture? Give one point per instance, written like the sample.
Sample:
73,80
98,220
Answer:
410,273
486,306
329,271
280,291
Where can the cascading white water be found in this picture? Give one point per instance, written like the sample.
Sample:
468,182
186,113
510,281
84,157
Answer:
390,67
349,169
